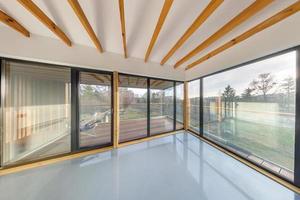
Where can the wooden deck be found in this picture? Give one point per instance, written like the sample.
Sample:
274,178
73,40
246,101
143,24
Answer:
101,134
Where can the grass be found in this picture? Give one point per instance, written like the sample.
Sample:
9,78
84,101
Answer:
272,143
133,113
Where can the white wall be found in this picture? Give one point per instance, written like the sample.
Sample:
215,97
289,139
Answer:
280,36
46,49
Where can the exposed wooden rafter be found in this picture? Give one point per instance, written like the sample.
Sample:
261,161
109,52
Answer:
11,22
108,78
240,18
204,15
294,8
163,14
85,23
157,83
123,29
97,77
38,13
137,81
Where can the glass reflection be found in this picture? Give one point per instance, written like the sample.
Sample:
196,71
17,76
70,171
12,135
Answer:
251,110
37,113
95,109
161,106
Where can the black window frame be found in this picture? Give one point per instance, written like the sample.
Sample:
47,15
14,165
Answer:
200,108
74,80
147,88
176,83
77,115
148,104
174,105
296,181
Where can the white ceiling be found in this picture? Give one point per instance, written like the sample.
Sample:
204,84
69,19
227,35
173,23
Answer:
141,17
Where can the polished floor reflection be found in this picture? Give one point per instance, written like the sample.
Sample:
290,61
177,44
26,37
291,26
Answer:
173,167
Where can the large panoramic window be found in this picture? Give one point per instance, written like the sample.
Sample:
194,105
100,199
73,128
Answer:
40,118
161,106
133,107
251,110
94,109
179,105
36,112
193,102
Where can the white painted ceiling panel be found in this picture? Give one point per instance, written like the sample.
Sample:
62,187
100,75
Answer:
228,10
141,17
265,13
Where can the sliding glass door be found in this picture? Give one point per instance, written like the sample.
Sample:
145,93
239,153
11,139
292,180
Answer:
161,106
133,107
37,116
95,105
36,111
179,105
50,110
194,103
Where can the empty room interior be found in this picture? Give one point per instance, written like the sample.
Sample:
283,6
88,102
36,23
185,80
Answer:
150,100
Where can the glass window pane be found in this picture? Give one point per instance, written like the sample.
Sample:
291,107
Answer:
251,110
133,107
95,109
161,106
37,113
179,105
194,100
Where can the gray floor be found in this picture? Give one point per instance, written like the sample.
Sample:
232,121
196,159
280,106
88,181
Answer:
174,167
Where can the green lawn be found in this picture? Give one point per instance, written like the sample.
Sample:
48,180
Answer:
275,144
133,113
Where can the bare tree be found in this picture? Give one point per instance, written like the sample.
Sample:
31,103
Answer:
264,83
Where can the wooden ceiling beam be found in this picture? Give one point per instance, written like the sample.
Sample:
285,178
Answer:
97,77
294,8
204,15
38,13
156,83
236,21
123,29
153,82
163,14
85,23
11,22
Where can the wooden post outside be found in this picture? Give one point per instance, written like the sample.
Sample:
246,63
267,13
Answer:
116,109
186,107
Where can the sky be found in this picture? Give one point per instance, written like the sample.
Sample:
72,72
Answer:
280,67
